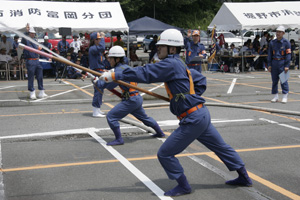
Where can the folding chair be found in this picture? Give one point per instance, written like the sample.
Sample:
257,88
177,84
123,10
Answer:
4,69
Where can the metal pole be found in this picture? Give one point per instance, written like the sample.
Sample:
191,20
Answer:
91,71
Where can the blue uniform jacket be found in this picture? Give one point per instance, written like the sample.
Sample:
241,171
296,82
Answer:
279,49
193,50
63,46
171,70
96,57
28,54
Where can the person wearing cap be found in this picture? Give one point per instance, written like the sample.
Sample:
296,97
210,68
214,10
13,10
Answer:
152,48
47,44
184,87
63,46
76,44
194,49
72,72
6,44
131,100
279,58
96,62
33,66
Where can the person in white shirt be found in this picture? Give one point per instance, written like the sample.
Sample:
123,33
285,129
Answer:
76,44
263,40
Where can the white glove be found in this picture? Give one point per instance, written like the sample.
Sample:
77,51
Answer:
107,77
102,34
94,79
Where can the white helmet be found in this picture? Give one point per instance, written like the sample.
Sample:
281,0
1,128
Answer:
171,37
281,28
46,37
116,51
31,30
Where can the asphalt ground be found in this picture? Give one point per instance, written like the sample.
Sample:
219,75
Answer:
53,149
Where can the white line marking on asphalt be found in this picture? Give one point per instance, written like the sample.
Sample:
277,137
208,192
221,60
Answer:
135,171
231,86
6,87
61,93
153,89
240,75
1,176
285,125
250,190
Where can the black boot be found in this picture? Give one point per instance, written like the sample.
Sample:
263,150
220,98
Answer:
242,180
182,188
119,140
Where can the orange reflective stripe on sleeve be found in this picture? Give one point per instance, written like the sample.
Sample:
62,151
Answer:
168,91
273,52
192,89
190,53
113,76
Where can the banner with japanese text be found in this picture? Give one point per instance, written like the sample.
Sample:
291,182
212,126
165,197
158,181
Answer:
50,15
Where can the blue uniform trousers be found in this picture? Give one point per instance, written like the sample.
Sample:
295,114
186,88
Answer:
97,98
34,68
277,67
198,126
131,106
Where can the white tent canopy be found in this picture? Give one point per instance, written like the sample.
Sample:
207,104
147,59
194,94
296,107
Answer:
258,15
49,16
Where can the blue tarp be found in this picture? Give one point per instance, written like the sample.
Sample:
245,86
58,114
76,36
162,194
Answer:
148,26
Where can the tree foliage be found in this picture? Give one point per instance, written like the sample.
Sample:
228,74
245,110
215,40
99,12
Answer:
188,14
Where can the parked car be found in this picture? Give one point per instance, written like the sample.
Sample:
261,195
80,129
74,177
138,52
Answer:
108,40
54,38
231,38
140,39
132,41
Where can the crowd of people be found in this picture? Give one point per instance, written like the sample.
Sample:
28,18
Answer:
255,54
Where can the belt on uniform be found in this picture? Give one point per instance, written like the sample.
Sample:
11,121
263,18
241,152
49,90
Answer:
278,58
32,58
189,111
134,94
193,64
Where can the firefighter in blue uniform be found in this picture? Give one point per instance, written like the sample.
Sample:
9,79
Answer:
194,48
187,104
33,67
279,58
131,100
96,62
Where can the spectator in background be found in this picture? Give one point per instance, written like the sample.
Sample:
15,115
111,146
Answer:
47,44
256,43
263,60
63,46
152,47
264,39
6,44
76,44
295,50
85,58
119,41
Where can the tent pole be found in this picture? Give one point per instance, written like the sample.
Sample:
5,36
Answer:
128,44
242,52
